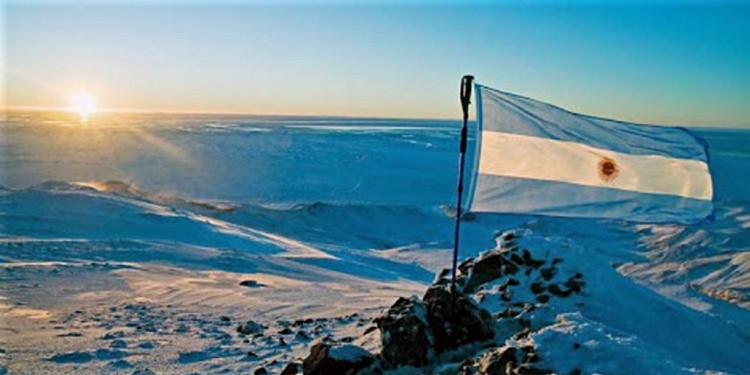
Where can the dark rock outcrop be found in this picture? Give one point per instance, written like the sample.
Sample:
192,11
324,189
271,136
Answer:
449,326
484,269
325,359
499,361
291,369
455,320
406,335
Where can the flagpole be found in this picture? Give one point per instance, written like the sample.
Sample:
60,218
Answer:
466,83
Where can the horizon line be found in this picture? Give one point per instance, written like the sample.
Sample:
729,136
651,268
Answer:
213,112
234,113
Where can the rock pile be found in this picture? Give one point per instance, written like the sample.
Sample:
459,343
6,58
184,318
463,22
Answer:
455,319
406,335
521,281
450,331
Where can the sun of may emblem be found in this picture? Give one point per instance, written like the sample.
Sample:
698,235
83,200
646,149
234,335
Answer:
608,169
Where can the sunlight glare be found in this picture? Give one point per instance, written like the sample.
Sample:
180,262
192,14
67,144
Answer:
83,104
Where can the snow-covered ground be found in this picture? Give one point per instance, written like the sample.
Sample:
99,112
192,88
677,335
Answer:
136,243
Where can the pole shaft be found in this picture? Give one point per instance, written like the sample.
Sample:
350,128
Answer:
466,83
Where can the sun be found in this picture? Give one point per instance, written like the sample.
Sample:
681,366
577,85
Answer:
84,104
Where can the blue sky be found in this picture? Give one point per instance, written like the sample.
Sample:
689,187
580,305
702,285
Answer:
667,62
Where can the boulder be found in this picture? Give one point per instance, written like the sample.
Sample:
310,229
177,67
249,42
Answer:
291,369
325,359
405,334
486,268
251,284
498,361
250,328
455,320
443,277
466,265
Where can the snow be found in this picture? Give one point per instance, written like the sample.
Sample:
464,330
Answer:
124,243
617,317
579,343
350,353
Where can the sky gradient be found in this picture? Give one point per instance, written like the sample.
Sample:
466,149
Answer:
653,63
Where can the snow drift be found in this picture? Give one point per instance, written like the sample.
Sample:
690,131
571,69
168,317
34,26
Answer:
142,244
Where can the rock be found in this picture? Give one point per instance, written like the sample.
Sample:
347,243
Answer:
522,334
556,290
528,260
113,335
465,369
302,335
182,328
302,322
251,284
250,328
508,237
261,371
455,320
531,357
487,267
68,334
443,277
72,357
105,354
291,369
405,334
506,296
336,360
118,344
511,268
465,266
575,283
537,287
146,345
516,259
119,364
497,361
548,273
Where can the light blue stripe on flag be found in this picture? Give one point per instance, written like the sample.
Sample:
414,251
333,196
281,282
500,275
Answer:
516,114
536,158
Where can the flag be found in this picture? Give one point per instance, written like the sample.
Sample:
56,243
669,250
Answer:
535,158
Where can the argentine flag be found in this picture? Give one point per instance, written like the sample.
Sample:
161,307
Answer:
536,158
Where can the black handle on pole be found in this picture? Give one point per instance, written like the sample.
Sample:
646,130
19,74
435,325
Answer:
466,83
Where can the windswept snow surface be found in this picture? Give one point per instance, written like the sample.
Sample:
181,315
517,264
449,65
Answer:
124,242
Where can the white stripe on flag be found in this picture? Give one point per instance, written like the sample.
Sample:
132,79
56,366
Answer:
522,156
